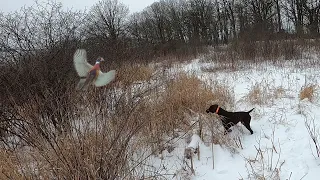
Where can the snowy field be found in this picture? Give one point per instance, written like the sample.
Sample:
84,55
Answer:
280,148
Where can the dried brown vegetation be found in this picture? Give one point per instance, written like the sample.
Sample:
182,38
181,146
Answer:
308,92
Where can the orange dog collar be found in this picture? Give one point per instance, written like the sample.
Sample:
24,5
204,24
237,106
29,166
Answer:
217,109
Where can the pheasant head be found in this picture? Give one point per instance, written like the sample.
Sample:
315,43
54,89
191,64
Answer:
99,59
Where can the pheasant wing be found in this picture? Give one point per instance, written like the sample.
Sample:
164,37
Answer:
105,78
80,62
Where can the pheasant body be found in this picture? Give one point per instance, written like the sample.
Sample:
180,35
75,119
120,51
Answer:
90,74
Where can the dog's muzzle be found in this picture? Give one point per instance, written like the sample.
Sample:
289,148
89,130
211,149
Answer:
207,111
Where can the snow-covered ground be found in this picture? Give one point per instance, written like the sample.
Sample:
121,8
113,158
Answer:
280,146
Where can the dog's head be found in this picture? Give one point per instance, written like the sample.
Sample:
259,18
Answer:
212,108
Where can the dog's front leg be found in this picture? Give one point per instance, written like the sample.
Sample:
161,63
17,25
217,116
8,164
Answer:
226,131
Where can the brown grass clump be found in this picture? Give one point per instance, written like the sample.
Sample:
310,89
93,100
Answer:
88,156
223,96
129,74
96,145
181,94
188,91
279,92
264,93
256,94
169,111
308,92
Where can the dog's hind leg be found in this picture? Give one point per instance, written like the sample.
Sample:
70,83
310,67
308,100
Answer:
249,128
247,125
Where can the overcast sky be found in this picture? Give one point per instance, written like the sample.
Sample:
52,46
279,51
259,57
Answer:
8,6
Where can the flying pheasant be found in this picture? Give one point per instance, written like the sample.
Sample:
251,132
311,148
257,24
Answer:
90,74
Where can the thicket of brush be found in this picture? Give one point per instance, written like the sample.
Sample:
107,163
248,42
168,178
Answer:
53,131
95,134
243,55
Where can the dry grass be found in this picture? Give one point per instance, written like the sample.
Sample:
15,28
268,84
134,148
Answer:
96,142
267,162
188,91
213,132
256,94
279,92
265,93
243,55
129,74
224,95
308,92
89,156
95,146
167,110
9,166
102,127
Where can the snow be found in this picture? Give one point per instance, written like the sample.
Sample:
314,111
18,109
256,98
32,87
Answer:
195,140
280,148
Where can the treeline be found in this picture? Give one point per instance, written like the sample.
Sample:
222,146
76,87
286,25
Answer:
171,23
165,27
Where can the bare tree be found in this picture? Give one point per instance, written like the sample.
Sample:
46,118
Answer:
177,16
201,17
106,31
263,13
232,16
294,11
312,12
278,10
107,19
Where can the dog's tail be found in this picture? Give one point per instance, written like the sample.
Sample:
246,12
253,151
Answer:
251,110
